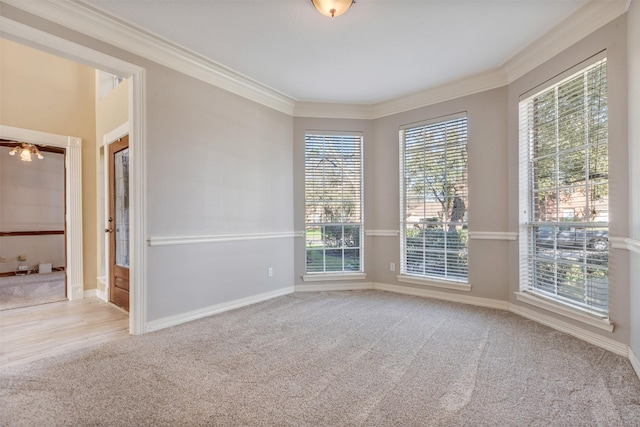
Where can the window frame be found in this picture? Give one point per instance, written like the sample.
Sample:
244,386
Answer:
343,272
449,281
532,227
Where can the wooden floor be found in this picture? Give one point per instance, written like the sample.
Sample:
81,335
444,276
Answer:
32,333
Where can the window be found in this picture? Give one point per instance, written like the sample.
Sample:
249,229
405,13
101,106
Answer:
434,199
333,202
564,191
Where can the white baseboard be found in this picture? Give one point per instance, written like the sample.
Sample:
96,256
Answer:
358,286
166,322
559,325
635,362
446,296
102,294
95,293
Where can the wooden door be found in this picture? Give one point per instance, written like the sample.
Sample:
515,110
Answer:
118,223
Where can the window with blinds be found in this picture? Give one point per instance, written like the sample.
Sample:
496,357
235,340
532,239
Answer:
564,191
333,202
434,203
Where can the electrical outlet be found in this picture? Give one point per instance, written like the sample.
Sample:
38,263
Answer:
270,271
392,266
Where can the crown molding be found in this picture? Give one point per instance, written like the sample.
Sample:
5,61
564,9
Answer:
328,110
81,17
92,22
446,92
587,19
452,90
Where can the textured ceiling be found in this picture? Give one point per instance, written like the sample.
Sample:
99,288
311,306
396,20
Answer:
378,50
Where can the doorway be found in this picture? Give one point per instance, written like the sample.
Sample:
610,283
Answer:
50,43
32,226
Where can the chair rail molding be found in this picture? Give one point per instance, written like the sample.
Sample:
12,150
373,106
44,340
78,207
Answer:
382,233
216,238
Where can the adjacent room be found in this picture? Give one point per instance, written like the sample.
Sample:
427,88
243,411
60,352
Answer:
320,212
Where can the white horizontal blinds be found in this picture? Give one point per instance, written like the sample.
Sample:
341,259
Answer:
333,202
435,199
567,176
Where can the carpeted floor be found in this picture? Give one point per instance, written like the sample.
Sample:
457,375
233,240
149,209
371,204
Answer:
364,358
31,289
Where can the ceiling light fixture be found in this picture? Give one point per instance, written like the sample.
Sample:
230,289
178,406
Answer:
26,151
332,8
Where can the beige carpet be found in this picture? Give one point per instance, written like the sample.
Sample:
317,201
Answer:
365,358
31,289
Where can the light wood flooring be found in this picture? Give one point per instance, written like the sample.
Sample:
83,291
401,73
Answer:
32,333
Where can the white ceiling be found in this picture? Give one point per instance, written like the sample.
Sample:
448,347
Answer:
379,50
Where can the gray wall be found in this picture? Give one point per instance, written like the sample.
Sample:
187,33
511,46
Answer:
217,164
487,146
493,178
633,40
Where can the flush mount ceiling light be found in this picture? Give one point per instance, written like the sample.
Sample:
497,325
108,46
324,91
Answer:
26,151
332,8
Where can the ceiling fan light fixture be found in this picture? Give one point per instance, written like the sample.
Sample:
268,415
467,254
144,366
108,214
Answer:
332,8
26,151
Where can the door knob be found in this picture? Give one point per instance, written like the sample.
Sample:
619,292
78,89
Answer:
108,230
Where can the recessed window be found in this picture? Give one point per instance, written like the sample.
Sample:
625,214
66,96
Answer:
333,202
435,199
564,191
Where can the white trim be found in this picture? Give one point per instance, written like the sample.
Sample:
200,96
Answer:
95,23
73,199
587,19
333,111
446,92
90,293
635,362
104,293
215,238
436,283
41,40
321,277
358,286
138,201
445,296
576,331
115,134
382,233
574,314
625,243
493,235
178,319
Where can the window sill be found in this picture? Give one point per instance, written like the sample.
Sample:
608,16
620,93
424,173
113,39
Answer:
437,283
322,277
558,308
